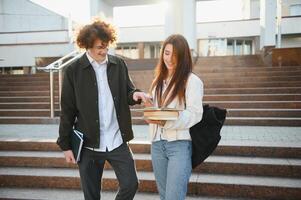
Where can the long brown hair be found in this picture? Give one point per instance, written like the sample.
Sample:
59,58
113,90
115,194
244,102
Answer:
177,85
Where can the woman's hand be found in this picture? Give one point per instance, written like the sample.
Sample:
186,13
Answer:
158,122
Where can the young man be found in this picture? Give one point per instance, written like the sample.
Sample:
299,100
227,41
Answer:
96,95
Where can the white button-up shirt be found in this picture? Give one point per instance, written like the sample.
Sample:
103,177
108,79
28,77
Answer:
110,135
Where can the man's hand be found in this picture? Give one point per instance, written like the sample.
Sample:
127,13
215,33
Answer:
143,96
69,156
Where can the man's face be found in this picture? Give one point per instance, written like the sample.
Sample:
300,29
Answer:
99,50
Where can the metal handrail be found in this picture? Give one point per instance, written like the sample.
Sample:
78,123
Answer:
57,66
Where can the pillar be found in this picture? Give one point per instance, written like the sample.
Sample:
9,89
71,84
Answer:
180,18
267,23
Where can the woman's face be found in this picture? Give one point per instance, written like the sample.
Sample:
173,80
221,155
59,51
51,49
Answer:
169,58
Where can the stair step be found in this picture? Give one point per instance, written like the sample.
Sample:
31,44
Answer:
249,74
76,194
253,97
255,104
214,164
242,112
244,69
243,79
247,97
22,99
259,90
250,121
28,82
140,79
263,121
26,88
239,149
29,120
245,104
26,93
203,184
27,112
252,84
27,105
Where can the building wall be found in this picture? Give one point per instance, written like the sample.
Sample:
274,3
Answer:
24,15
37,37
255,7
25,25
291,41
238,28
29,31
26,55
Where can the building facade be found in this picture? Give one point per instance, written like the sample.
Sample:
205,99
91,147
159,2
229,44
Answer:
31,34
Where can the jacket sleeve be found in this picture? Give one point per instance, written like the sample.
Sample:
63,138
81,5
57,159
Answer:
192,114
130,87
68,111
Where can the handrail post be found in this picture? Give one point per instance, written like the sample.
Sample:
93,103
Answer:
51,94
58,65
60,85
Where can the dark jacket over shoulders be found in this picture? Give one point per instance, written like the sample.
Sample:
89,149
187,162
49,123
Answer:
79,101
205,135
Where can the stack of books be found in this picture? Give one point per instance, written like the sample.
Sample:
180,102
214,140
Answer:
154,113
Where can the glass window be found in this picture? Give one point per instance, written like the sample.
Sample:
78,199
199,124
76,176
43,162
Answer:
295,9
230,47
239,47
152,50
128,50
248,47
212,47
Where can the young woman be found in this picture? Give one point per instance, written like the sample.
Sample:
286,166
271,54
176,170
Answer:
174,86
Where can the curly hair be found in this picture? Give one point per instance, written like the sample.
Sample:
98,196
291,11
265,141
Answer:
98,29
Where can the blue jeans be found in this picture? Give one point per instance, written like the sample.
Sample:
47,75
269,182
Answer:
172,167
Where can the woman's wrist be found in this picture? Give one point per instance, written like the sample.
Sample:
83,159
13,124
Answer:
163,122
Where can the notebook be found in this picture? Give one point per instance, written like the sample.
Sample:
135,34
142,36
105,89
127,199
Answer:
77,144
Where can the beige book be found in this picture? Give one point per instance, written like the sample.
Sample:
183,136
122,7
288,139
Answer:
153,113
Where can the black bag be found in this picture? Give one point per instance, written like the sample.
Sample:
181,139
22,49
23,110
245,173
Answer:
205,135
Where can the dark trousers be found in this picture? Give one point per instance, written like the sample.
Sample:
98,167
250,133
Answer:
91,169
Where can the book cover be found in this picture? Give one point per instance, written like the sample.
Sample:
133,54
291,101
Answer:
154,113
77,144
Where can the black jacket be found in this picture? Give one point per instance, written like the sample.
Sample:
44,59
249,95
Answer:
79,101
205,135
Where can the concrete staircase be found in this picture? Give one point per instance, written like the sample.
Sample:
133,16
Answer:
25,99
244,172
252,93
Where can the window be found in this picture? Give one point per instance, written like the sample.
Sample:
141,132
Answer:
128,50
239,47
152,50
230,47
212,47
295,9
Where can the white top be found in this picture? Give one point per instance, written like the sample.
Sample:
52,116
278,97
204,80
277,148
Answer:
110,135
191,115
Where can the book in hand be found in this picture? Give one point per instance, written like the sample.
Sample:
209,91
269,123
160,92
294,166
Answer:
154,113
77,144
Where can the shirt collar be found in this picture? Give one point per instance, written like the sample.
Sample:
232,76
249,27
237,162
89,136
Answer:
91,60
